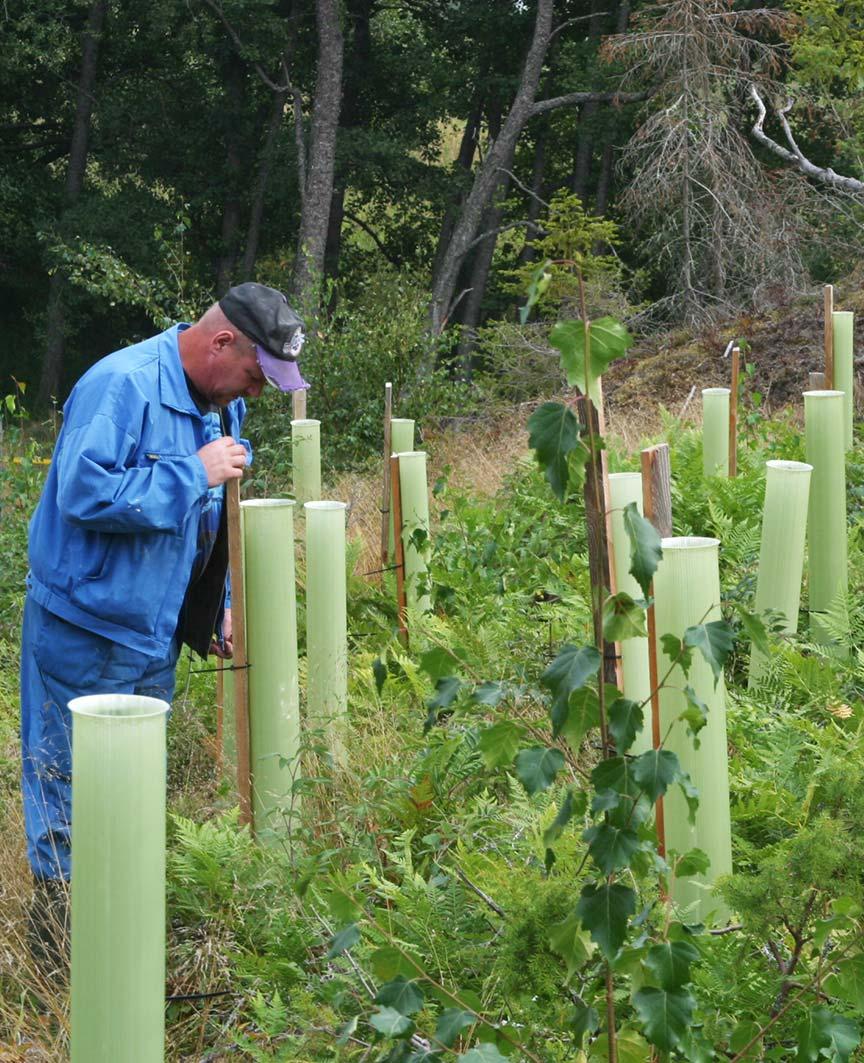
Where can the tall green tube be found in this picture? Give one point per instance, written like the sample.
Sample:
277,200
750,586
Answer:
271,649
401,441
686,593
715,431
626,487
844,365
415,527
326,623
306,460
118,880
781,555
825,430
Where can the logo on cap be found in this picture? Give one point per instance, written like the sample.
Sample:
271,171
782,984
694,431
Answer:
294,345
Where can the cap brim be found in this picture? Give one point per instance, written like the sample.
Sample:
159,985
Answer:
281,374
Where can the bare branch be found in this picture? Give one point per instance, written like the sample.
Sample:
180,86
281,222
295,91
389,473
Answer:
527,223
524,187
574,98
238,44
373,235
823,174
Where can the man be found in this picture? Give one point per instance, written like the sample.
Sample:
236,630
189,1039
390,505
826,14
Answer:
128,544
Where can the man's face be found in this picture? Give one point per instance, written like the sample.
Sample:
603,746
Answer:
236,372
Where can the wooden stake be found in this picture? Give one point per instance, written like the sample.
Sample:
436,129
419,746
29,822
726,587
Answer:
241,676
829,337
817,382
610,553
657,508
399,548
298,404
733,413
220,708
385,494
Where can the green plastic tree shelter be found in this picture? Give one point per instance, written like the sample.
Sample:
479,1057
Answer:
781,554
271,649
825,431
715,431
687,593
843,331
326,624
306,460
401,442
118,880
626,487
415,527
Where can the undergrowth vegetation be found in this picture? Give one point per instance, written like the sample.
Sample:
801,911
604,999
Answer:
415,913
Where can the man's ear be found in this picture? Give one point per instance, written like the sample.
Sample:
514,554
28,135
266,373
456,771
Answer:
222,339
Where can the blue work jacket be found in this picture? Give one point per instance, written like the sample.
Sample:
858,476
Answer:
114,536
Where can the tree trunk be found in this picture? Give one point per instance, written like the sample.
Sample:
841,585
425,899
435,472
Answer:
585,145
604,178
52,366
488,174
309,263
256,213
464,162
538,175
232,209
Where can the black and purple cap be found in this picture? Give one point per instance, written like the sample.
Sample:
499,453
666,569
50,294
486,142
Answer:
263,314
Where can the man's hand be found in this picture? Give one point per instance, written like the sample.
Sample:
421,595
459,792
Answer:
223,459
224,647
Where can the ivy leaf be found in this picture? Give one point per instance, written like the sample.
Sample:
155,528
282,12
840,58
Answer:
611,847
665,1015
604,910
571,943
655,771
645,549
499,743
574,803
617,792
488,694
379,671
693,862
625,722
608,340
714,641
848,981
570,671
391,1023
754,628
486,1053
451,1023
669,962
696,713
677,652
347,938
537,768
438,663
821,1029
623,618
406,997
553,435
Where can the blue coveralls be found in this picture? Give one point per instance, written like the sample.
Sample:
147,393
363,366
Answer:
114,541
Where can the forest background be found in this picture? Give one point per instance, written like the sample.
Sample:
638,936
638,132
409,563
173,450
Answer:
392,166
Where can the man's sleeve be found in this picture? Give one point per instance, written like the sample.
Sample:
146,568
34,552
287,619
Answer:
106,486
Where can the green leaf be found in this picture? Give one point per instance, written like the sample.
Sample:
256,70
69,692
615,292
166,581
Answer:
346,938
714,641
655,771
347,1031
438,663
665,1015
580,714
583,1019
406,997
379,671
645,549
389,962
821,1029
742,1035
451,1023
754,628
607,339
488,694
391,1023
631,1048
625,722
446,691
554,438
574,803
487,1053
693,862
540,279
536,768
618,793
570,671
677,652
604,910
847,983
611,847
571,943
623,618
669,963
696,713
499,743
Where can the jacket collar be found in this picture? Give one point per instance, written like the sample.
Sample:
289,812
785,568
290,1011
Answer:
173,390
